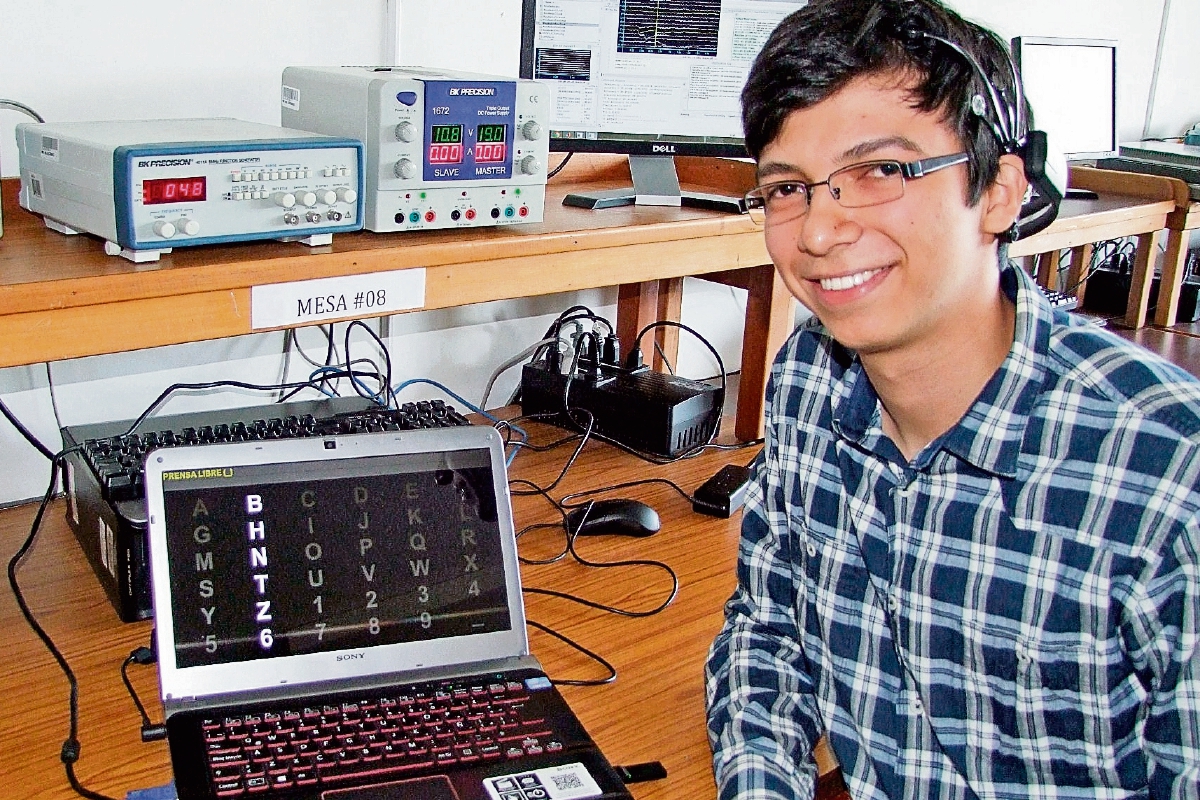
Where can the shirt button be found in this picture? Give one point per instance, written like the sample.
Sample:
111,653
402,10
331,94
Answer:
893,603
811,549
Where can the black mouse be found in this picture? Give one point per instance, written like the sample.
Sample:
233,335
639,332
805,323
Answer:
614,516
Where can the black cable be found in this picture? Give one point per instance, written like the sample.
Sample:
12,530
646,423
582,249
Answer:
567,501
637,562
142,655
177,387
570,549
666,361
560,166
25,432
69,753
612,671
583,440
386,380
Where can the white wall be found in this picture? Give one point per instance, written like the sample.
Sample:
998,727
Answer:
121,59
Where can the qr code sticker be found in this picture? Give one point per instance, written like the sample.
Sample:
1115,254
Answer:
566,782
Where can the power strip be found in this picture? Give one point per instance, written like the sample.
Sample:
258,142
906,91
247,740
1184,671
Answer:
647,411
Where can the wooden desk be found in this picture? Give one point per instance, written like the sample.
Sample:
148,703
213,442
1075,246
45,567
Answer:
1128,205
61,297
653,711
1183,219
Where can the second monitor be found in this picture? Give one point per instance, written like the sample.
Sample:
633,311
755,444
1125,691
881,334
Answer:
650,79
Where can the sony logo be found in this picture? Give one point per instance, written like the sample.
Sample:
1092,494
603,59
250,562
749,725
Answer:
351,656
662,148
488,91
166,162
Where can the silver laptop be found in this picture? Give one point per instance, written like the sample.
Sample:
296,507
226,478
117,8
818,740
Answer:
341,618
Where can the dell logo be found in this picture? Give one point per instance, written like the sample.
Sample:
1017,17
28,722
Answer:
662,148
351,656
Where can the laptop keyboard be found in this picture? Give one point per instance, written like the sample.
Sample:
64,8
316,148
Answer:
118,460
377,738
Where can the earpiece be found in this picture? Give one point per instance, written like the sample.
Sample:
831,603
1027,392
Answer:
1045,169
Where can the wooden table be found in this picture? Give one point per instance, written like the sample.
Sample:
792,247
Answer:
1129,204
653,711
61,297
1183,219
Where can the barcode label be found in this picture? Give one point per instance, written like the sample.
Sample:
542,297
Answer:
35,186
290,97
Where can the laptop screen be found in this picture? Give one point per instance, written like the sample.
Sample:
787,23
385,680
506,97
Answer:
305,560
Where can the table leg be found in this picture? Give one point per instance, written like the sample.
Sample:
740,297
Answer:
1143,273
638,305
770,317
670,306
1172,279
1077,273
1047,269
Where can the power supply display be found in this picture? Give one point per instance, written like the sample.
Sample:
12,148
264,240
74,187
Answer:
443,149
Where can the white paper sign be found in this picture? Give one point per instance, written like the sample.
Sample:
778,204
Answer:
375,294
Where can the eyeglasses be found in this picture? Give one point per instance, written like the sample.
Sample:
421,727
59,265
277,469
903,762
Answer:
856,186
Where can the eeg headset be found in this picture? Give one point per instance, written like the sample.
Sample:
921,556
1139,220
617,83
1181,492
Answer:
1046,171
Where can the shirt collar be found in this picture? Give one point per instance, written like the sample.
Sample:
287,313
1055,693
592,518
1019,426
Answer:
989,435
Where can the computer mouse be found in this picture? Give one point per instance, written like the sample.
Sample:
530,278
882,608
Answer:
613,516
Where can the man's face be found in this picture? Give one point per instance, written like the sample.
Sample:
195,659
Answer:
885,276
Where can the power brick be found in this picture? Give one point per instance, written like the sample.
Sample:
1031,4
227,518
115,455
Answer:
647,411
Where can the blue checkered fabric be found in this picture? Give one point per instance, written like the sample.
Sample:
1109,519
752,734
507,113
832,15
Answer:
1013,614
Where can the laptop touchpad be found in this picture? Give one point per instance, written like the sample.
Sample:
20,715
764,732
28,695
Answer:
437,787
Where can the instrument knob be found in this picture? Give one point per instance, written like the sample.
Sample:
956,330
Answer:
531,130
306,198
327,196
530,165
347,195
164,229
189,226
284,199
405,168
406,132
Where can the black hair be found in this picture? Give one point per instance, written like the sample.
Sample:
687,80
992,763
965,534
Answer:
819,49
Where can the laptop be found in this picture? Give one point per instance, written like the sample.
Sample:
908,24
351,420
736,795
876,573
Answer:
341,618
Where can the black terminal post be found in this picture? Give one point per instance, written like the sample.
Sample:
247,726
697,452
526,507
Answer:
612,350
589,355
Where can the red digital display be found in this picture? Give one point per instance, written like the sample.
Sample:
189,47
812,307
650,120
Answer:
490,152
173,190
445,153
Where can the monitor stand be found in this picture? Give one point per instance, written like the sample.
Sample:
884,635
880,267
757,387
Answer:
655,183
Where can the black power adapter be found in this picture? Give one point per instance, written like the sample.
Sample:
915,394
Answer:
723,493
647,411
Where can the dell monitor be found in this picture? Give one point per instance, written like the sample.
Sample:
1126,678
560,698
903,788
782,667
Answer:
650,79
1071,84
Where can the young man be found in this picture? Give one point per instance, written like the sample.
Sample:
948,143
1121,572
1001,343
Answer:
970,556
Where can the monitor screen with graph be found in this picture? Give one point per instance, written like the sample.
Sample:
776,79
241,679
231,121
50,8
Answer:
646,77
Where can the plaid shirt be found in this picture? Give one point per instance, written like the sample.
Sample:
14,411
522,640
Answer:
1013,614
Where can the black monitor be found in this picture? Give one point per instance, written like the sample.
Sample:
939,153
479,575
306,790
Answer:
1071,84
650,79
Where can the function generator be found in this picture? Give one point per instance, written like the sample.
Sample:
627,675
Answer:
147,186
